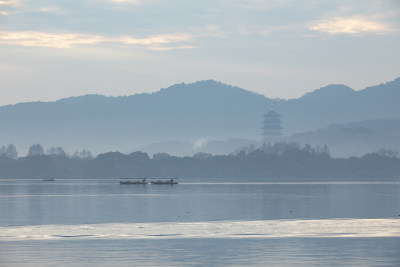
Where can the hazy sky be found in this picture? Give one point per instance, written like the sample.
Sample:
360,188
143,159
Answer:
280,48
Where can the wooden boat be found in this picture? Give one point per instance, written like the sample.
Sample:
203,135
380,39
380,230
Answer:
139,181
170,182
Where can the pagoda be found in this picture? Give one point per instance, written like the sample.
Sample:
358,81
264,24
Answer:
272,125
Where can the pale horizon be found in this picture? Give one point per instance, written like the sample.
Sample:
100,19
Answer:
280,49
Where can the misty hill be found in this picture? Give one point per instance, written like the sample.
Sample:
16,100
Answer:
101,123
340,104
356,138
344,140
185,112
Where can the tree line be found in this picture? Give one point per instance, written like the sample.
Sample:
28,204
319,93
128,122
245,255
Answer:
10,152
277,161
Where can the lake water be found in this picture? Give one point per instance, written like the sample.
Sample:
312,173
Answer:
199,222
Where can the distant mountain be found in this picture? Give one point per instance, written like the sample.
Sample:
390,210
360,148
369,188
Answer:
340,104
207,110
180,112
356,138
344,140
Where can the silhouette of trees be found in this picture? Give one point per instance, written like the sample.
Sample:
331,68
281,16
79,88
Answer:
57,151
202,155
280,148
35,150
160,156
388,152
84,154
9,152
269,161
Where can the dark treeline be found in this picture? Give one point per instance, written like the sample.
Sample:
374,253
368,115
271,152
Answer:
10,151
277,161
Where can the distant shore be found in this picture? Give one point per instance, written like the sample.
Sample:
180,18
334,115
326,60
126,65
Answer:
290,166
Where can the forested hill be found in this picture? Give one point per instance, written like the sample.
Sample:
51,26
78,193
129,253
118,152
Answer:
185,112
273,162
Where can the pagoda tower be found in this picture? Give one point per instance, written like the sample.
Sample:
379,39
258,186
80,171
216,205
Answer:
272,125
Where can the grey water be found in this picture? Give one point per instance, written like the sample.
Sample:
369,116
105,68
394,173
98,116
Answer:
28,203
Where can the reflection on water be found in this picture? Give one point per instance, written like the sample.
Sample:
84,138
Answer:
106,201
204,252
198,223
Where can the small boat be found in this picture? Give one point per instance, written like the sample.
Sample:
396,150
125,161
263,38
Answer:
170,182
49,179
141,181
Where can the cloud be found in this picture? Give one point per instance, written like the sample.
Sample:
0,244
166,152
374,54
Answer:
158,39
6,4
9,2
135,2
52,9
41,39
262,4
69,40
355,25
158,42
165,48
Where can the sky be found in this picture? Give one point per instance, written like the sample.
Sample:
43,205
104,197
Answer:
280,48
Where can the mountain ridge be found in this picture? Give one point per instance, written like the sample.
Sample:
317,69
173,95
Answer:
318,91
187,112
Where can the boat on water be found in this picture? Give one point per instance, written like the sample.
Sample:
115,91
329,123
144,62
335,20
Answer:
49,179
169,181
138,181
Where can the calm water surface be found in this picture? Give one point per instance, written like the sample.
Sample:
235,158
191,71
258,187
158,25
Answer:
40,222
